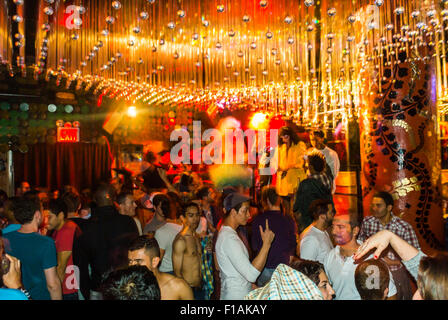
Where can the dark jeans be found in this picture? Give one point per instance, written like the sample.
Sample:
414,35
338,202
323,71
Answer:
70,296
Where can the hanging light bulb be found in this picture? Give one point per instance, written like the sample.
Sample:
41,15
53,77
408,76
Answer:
181,13
48,11
110,19
308,3
116,5
144,15
331,12
263,3
17,18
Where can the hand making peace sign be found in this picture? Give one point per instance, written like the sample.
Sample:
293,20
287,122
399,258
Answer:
267,235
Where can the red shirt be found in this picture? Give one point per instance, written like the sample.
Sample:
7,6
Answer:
63,239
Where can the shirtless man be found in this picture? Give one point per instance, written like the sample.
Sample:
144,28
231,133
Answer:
187,250
145,251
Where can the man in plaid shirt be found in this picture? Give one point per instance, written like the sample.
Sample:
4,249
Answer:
383,219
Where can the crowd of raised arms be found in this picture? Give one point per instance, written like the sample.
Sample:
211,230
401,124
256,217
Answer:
159,236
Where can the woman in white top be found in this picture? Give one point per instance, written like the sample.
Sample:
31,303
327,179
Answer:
237,273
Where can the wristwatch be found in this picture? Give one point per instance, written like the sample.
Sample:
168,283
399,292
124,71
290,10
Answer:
26,293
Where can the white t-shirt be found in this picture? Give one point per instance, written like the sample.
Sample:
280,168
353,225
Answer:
236,271
315,245
165,236
341,274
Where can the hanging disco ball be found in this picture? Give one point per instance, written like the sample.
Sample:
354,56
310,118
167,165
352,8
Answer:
48,11
116,5
110,20
331,12
308,3
144,15
17,18
263,3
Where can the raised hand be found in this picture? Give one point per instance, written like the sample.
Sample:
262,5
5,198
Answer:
267,236
13,279
378,241
162,173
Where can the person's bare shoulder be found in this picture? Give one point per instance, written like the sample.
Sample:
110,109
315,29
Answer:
180,287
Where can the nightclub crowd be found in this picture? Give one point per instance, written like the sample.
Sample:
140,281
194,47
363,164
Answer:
158,236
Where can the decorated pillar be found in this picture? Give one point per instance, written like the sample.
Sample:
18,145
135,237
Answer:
400,149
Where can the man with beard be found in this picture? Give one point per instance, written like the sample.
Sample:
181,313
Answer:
383,219
187,250
339,263
315,243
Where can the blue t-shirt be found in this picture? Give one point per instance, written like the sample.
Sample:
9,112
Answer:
36,254
11,228
12,294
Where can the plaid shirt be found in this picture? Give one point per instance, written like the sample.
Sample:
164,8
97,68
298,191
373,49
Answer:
401,228
324,178
286,284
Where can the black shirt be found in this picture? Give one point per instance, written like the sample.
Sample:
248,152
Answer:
152,180
104,244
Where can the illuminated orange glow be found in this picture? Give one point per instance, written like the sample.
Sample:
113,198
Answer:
259,121
68,134
132,111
